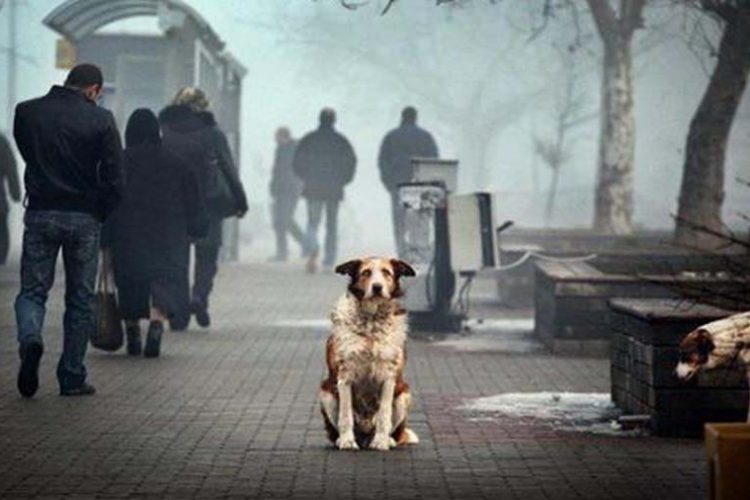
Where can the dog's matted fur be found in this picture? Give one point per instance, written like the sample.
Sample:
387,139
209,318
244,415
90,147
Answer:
364,399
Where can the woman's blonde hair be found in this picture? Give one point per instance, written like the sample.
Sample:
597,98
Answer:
192,97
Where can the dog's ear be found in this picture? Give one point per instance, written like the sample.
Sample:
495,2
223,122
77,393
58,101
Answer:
705,344
401,268
350,268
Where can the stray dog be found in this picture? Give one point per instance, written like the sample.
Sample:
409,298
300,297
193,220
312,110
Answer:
722,343
365,400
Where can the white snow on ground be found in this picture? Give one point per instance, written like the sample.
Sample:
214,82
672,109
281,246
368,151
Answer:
582,412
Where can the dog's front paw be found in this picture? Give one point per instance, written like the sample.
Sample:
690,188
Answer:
347,443
382,442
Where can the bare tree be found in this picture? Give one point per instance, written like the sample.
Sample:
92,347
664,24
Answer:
702,189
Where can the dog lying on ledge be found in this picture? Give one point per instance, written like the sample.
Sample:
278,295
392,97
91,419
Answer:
364,400
721,343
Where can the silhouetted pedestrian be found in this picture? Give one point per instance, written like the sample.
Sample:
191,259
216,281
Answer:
399,146
160,210
9,176
191,131
285,190
325,162
72,152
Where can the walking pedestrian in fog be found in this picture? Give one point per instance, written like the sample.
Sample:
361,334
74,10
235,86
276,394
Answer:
9,176
399,146
285,190
160,210
72,152
190,130
325,162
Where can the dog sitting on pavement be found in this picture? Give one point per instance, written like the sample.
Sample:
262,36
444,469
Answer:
364,399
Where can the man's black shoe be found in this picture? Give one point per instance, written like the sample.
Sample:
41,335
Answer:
203,318
28,375
85,389
153,339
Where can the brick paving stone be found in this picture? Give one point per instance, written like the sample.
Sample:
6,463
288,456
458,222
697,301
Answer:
231,412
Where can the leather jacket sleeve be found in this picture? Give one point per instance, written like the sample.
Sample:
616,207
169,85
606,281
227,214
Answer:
110,168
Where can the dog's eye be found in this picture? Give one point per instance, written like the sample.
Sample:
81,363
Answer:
387,272
366,273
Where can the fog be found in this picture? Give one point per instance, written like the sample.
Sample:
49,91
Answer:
486,79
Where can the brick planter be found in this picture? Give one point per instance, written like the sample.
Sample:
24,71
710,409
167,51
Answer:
645,338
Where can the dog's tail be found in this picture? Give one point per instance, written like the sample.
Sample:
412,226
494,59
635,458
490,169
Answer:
408,437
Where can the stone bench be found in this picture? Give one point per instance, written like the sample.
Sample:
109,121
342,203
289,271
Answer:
571,299
645,337
515,287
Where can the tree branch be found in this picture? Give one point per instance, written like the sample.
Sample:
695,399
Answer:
604,16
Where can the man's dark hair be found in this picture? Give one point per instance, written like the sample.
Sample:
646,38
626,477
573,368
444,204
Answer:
327,117
409,115
84,75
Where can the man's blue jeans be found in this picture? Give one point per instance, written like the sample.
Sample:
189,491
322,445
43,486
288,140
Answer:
45,233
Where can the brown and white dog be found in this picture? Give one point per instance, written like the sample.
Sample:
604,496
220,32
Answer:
364,400
722,343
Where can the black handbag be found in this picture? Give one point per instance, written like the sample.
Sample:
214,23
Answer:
109,335
219,197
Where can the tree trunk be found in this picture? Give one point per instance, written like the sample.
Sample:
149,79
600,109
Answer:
702,189
550,208
614,185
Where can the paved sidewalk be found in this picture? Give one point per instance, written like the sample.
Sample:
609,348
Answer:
231,412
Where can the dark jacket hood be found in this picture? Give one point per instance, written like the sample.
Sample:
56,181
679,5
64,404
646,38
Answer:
184,119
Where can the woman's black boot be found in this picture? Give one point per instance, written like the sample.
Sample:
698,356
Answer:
133,334
153,339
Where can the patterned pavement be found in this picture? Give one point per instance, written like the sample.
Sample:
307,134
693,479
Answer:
231,412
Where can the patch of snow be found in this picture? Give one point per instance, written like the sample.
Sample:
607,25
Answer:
582,412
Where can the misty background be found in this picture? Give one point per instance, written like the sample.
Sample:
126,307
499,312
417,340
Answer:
489,81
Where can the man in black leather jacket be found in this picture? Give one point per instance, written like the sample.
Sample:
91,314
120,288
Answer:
72,152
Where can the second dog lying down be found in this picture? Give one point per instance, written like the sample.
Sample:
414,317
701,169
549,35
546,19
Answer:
364,400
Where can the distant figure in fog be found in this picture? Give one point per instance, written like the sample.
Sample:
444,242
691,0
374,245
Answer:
160,210
399,146
72,152
285,189
9,176
325,162
191,131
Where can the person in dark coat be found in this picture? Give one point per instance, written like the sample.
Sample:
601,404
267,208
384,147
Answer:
160,210
191,131
72,152
398,148
325,161
9,176
285,190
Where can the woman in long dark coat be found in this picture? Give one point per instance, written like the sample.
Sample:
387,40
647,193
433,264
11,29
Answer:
159,212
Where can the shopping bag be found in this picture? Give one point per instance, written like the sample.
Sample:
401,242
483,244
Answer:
109,332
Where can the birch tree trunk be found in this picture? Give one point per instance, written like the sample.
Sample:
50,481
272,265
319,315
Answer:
614,182
613,199
702,189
